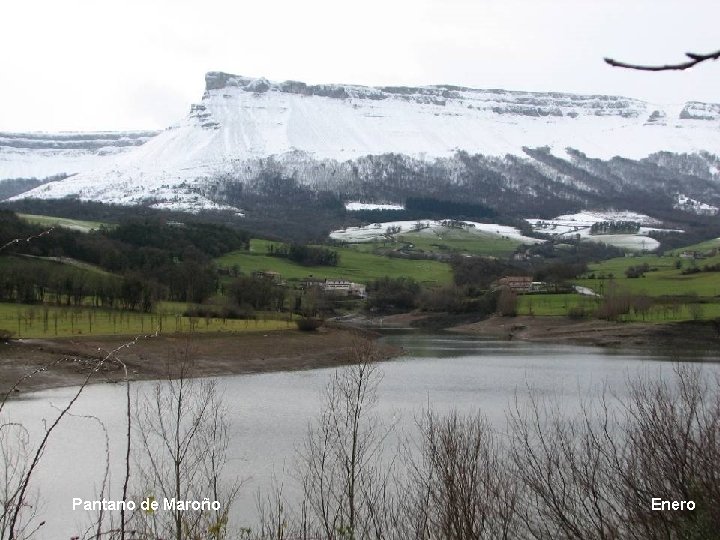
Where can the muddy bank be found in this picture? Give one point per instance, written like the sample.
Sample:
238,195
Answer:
701,335
70,359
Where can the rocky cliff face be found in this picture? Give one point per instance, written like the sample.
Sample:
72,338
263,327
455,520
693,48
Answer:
75,140
533,104
695,110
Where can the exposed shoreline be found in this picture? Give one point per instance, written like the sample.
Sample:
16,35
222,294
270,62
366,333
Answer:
684,335
148,358
687,335
290,350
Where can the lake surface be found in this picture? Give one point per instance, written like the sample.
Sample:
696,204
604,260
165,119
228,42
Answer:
269,413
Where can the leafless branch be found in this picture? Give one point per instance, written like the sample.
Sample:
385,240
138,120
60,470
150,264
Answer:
48,431
26,240
27,376
694,60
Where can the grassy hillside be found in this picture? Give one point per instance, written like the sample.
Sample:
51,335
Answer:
355,264
701,247
460,241
663,279
51,221
674,295
50,263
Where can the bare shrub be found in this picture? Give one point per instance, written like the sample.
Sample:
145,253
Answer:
344,486
565,468
309,324
447,298
594,476
696,310
673,451
461,486
578,313
614,306
15,456
507,303
183,440
642,304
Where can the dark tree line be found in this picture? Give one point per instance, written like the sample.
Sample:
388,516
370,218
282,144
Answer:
156,260
480,272
637,271
615,227
305,255
258,293
393,294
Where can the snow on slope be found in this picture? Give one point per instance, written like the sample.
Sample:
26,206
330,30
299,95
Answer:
356,206
578,226
41,155
243,118
374,231
687,204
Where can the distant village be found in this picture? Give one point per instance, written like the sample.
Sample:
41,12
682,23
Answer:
335,287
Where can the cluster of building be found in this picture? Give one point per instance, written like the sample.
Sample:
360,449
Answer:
698,255
337,287
523,285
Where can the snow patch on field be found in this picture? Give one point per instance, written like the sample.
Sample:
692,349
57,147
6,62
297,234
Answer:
376,231
683,202
355,206
578,226
587,218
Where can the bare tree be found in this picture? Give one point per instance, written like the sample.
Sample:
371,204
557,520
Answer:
15,455
181,427
460,487
594,476
565,466
507,302
672,434
275,518
341,474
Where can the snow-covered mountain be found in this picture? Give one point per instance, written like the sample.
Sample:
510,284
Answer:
324,134
43,155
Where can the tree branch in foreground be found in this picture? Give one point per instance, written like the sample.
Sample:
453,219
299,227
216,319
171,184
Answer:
695,59
26,240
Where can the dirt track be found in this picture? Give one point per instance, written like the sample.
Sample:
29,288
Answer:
70,359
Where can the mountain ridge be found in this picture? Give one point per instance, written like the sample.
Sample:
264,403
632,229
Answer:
245,128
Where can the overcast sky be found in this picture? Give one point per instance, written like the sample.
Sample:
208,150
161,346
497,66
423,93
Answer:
100,65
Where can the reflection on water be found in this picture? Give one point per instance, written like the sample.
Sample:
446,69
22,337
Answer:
270,412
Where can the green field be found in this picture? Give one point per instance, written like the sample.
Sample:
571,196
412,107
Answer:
551,304
675,296
44,321
448,240
51,221
701,247
355,265
664,279
561,304
444,240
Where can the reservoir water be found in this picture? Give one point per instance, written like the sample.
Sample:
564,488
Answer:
269,413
